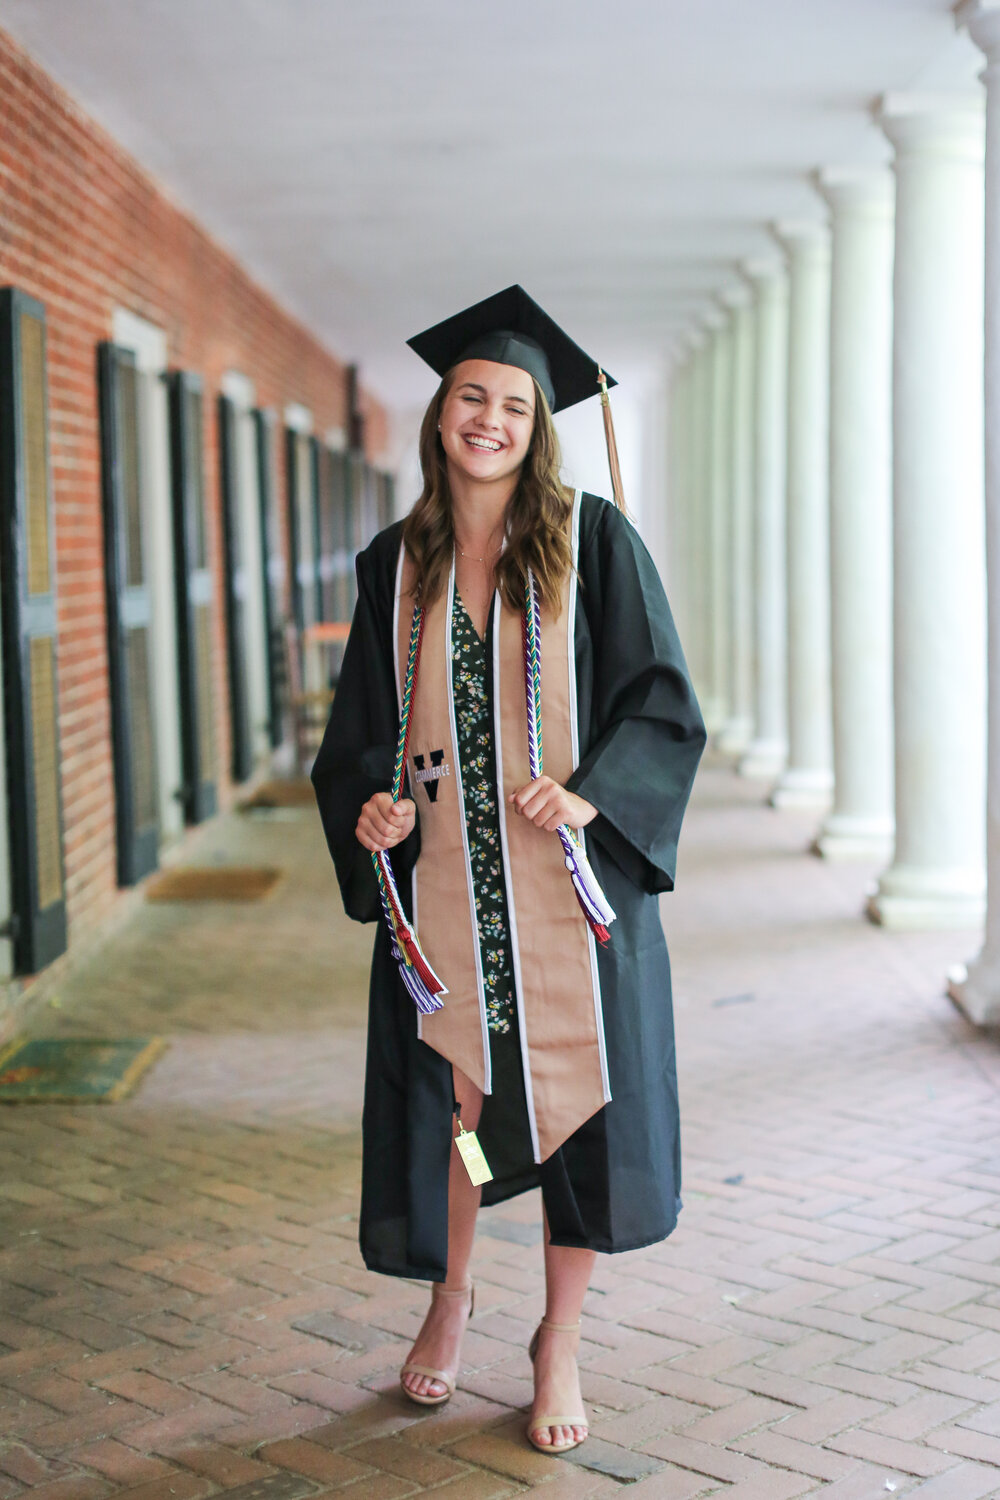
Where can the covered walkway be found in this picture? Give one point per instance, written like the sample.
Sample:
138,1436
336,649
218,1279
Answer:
184,1309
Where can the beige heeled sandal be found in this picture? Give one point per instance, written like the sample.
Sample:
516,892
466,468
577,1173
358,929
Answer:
537,1423
447,1378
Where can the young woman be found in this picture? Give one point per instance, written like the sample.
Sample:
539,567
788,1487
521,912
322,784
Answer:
522,634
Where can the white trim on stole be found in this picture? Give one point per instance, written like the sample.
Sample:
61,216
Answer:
581,833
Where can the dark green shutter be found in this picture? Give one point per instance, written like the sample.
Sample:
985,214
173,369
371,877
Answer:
27,557
194,596
273,560
235,573
129,617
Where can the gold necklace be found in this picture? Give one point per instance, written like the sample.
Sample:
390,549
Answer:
471,557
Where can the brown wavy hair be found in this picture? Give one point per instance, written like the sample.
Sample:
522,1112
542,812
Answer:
538,514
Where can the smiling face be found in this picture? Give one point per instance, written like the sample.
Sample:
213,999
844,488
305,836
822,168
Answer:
487,420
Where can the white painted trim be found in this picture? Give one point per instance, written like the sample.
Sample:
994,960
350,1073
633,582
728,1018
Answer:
239,388
515,951
298,418
144,339
456,762
575,734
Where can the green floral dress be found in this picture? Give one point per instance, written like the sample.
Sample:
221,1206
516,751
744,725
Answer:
474,727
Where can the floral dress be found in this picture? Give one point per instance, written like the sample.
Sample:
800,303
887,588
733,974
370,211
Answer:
474,726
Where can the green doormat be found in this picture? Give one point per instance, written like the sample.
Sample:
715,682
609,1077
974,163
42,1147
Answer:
74,1070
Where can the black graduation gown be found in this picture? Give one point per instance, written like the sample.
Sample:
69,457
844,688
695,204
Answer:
614,1185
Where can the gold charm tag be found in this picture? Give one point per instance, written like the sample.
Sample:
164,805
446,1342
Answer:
472,1155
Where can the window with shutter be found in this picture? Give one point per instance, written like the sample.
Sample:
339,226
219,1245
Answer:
326,531
236,594
27,560
302,526
343,551
273,557
194,595
129,618
315,497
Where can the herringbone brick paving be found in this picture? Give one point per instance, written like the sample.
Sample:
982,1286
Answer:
185,1313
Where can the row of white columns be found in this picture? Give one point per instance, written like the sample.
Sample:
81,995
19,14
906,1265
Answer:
829,554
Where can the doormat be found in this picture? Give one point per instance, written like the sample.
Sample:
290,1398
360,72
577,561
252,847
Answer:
291,793
74,1070
213,883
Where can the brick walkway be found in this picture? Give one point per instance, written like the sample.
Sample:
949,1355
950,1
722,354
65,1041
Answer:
184,1311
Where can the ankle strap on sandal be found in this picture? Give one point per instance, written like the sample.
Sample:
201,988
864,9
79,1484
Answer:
560,1327
438,1289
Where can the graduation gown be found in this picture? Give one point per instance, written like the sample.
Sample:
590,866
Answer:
614,1184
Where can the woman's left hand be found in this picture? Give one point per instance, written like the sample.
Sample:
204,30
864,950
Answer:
547,804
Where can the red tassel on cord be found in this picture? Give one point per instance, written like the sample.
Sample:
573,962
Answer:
418,961
600,932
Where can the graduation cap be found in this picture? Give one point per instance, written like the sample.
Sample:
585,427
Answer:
510,328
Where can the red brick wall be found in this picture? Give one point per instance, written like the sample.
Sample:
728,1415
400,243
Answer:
84,229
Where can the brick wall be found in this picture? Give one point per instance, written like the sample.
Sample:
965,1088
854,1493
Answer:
84,229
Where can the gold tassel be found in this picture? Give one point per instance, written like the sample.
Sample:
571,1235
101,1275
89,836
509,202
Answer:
617,488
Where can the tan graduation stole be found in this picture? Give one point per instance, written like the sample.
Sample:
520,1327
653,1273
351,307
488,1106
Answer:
556,982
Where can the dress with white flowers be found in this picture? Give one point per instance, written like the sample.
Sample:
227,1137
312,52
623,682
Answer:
474,727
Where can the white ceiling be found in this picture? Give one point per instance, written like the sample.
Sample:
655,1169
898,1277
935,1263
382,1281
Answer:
378,164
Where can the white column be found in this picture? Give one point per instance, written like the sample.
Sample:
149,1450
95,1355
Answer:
807,780
682,515
860,824
699,593
979,994
678,564
765,755
937,878
720,343
736,733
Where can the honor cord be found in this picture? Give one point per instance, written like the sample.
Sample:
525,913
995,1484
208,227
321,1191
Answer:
422,984
596,907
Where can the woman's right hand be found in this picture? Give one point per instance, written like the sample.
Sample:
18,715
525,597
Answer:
384,823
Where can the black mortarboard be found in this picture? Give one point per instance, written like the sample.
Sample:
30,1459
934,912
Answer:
510,329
